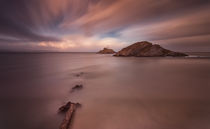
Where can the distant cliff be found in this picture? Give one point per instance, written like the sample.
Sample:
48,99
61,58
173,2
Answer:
106,51
147,49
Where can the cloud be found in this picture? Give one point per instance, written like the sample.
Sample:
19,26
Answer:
18,21
183,26
200,43
88,24
179,33
123,13
83,43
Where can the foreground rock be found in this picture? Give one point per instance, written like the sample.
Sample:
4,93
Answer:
106,51
147,49
66,107
69,109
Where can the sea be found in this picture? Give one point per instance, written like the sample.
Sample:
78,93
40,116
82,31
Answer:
117,93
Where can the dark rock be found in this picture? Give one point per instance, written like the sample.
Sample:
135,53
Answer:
77,87
147,49
66,107
106,51
69,109
77,75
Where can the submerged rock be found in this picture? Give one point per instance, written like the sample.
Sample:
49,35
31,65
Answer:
147,49
77,87
79,74
106,51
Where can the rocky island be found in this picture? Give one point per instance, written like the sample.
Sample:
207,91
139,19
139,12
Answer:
147,49
106,51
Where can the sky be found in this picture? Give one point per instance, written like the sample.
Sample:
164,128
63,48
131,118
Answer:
90,25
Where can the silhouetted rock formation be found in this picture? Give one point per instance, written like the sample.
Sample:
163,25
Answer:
147,49
106,51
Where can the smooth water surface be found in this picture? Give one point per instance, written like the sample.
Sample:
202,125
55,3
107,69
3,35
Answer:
118,93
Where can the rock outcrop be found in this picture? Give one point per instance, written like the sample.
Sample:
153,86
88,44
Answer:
147,49
106,51
69,110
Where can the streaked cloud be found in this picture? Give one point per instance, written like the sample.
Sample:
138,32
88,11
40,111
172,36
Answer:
88,25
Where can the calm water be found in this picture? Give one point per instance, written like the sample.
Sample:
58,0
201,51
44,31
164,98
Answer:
118,93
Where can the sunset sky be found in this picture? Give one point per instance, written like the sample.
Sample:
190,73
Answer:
89,25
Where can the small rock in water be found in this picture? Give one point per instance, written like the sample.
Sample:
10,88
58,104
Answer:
79,74
77,87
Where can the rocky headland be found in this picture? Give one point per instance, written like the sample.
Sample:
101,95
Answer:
147,49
